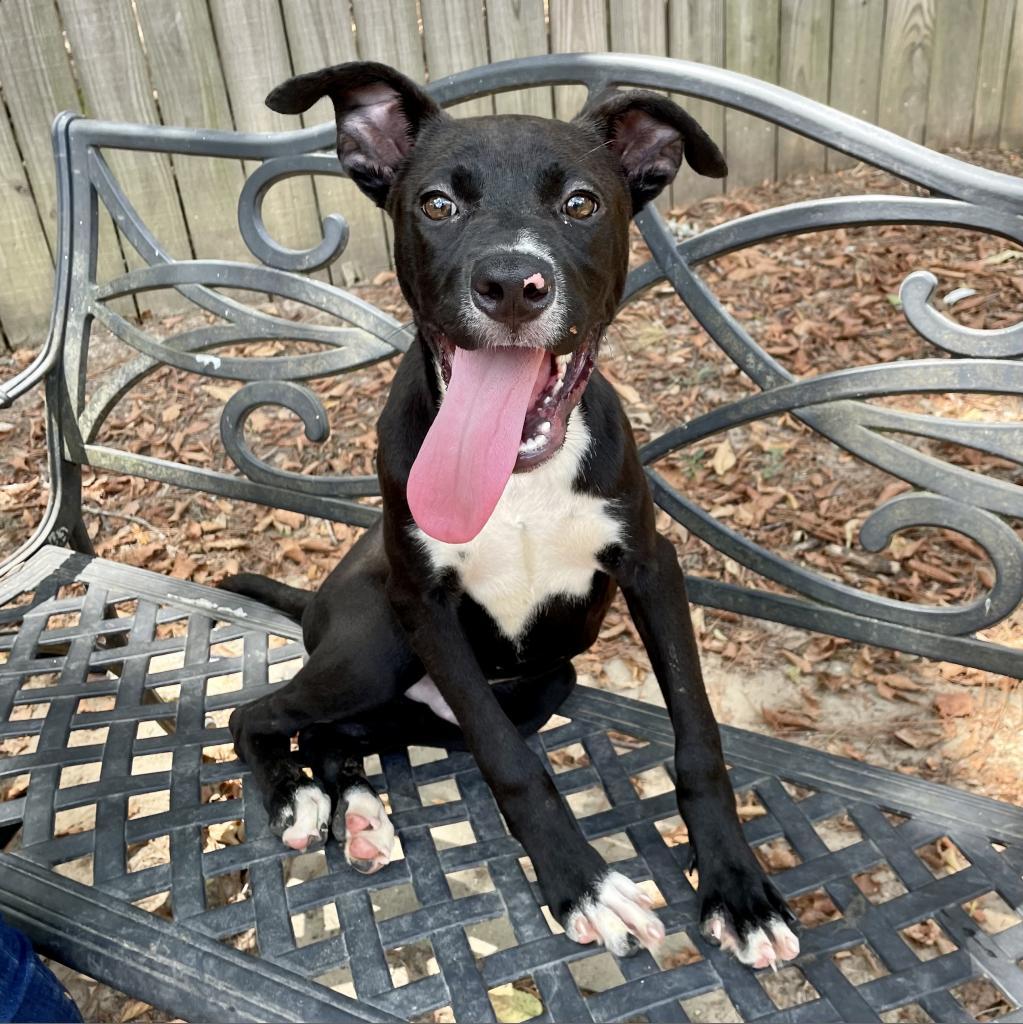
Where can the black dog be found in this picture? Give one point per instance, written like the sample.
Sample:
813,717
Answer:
514,504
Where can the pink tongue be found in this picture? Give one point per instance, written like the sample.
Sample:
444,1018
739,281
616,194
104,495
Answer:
464,464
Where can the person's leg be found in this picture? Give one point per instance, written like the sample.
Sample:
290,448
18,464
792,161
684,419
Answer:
29,991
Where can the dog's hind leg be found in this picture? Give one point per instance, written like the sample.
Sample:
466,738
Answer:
360,822
361,663
408,721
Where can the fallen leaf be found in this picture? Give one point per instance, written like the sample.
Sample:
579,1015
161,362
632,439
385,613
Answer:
133,1008
953,705
919,739
512,1005
723,459
787,719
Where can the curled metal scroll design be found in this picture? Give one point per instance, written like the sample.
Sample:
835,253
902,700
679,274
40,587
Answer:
826,404
916,293
363,334
994,535
250,214
304,403
990,532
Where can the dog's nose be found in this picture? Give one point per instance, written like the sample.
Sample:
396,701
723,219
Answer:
512,287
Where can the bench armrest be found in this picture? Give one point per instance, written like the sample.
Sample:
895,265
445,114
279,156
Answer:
27,378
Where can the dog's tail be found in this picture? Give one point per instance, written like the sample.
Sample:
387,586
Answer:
291,601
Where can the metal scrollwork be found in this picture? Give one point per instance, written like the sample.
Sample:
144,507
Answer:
838,406
250,214
304,403
831,403
994,535
916,293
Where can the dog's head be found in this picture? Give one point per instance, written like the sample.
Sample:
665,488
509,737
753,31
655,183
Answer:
510,236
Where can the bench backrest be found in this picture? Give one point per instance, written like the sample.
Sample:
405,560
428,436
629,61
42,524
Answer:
944,494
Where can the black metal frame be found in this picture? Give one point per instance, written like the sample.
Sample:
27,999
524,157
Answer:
97,931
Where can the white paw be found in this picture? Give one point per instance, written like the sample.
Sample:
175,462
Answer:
362,825
619,909
310,814
765,946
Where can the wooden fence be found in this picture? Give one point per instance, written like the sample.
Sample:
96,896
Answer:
943,72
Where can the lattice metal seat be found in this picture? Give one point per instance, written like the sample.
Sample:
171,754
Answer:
135,854
461,897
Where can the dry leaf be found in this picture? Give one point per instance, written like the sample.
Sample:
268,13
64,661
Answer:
787,719
723,459
919,739
953,705
133,1008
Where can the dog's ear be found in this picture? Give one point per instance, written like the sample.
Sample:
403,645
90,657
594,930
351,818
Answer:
649,134
379,114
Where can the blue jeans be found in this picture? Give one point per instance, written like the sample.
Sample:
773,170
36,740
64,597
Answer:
28,990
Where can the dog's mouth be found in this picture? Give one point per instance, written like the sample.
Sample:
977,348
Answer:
504,410
559,385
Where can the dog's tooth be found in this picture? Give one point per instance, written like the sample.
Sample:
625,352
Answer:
541,441
558,385
545,427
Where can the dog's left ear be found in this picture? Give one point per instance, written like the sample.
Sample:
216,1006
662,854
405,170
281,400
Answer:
379,114
649,134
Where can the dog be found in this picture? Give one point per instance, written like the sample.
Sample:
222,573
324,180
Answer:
514,505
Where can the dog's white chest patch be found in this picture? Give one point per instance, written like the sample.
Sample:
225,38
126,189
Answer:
541,541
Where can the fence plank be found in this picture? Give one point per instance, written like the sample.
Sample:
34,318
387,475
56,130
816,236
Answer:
456,40
751,46
696,31
577,26
26,271
805,64
857,31
994,58
1012,108
906,66
639,27
185,69
953,82
642,27
37,85
119,90
254,56
518,28
390,33
320,34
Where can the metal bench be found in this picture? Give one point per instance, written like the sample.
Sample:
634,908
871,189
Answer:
75,627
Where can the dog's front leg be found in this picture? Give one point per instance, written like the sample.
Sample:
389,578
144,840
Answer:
591,902
740,908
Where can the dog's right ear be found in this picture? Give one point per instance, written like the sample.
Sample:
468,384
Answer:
379,114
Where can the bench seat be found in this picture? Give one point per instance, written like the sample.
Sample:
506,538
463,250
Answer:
84,639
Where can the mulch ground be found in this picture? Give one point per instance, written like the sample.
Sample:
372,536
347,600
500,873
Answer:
816,303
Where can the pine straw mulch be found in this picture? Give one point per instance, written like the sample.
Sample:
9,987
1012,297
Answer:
816,302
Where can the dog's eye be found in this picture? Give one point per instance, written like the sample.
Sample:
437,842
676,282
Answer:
580,205
438,206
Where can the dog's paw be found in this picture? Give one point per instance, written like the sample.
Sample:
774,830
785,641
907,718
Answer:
616,914
362,827
744,914
301,820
